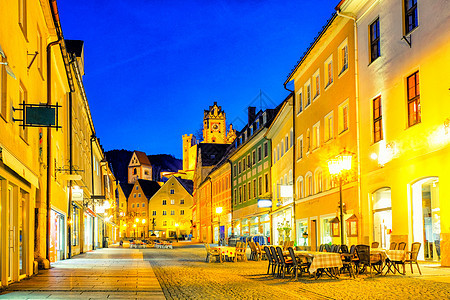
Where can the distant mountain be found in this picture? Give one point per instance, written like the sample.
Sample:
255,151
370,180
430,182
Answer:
119,160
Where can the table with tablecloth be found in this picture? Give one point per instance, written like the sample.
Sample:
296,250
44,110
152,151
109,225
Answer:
321,260
390,256
226,251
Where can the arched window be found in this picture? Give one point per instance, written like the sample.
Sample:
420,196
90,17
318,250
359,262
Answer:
318,179
309,184
299,187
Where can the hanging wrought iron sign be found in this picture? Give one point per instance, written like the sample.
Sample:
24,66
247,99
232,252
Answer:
39,115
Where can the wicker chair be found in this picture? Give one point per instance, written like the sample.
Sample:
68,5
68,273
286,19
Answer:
321,248
212,253
401,246
273,251
365,261
285,265
375,245
260,252
392,246
415,247
271,260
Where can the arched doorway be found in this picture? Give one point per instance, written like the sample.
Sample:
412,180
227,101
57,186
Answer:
426,217
382,216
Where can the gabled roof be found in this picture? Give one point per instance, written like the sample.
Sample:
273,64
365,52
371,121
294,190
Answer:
142,157
149,187
126,188
187,184
211,153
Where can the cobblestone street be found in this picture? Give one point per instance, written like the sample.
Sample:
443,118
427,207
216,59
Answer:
181,273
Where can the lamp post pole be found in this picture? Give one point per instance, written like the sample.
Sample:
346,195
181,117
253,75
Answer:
341,209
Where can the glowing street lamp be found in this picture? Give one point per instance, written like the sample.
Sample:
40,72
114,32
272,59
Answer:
339,168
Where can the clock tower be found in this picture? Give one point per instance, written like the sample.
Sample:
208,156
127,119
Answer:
214,125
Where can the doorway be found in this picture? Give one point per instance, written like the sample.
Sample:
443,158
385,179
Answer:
382,217
313,235
427,218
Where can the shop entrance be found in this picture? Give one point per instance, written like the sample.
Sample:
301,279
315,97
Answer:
382,217
57,237
427,218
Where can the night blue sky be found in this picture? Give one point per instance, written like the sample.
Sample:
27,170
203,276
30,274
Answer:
152,67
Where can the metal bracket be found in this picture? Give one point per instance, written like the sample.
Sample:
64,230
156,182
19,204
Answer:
32,60
408,41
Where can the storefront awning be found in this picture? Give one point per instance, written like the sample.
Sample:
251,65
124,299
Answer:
17,166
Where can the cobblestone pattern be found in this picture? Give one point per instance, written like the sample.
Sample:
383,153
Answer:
184,274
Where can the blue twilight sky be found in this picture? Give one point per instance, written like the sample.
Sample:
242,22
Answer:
153,66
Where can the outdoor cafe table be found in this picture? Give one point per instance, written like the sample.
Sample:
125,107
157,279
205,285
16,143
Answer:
321,260
390,256
227,251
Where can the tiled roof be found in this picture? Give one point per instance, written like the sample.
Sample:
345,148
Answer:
212,153
142,157
149,187
126,188
187,184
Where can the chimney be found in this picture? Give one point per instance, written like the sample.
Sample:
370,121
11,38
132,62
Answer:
251,114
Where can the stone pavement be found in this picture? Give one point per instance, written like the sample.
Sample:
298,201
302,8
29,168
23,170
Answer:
101,274
181,273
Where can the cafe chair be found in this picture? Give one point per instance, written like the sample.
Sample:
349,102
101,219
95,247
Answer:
285,264
392,246
271,260
401,246
375,245
415,247
210,253
273,251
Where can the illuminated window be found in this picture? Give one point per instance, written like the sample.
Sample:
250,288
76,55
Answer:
411,19
343,57
328,68
316,135
328,127
172,201
375,40
308,141
260,190
291,133
23,17
300,147
413,92
299,101
343,117
308,94
377,120
316,84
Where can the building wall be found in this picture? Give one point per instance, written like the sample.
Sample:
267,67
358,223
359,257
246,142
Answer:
314,185
221,197
406,154
180,221
137,211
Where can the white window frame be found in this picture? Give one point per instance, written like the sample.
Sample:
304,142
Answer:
341,129
300,147
327,79
316,136
308,93
328,127
341,58
299,101
300,188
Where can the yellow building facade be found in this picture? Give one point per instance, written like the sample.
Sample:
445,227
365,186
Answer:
405,123
281,133
170,209
325,112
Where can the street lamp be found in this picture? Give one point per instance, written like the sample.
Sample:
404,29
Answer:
219,210
339,167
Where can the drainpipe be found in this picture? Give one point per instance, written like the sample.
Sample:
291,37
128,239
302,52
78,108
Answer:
293,158
49,143
358,150
93,137
69,216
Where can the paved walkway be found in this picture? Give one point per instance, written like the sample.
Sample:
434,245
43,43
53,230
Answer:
181,273
101,274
